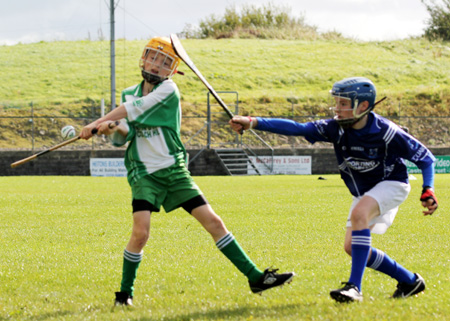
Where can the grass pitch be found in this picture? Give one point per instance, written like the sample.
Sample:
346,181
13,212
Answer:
62,240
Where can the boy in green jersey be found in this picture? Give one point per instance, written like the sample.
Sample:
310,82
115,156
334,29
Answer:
156,168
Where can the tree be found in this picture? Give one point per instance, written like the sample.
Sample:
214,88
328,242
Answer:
439,23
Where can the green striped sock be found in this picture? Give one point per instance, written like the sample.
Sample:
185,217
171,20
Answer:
233,251
131,263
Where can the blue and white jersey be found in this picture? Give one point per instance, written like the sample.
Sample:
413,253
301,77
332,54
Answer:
366,156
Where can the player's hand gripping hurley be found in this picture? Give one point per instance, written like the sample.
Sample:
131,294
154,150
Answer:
179,50
67,142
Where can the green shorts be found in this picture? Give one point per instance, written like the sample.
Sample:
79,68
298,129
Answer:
168,187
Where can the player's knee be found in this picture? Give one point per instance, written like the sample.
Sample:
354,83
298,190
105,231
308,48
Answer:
359,217
216,224
140,237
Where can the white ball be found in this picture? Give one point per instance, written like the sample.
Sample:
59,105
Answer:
68,132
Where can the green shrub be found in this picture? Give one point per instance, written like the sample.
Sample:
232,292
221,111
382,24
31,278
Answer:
263,22
439,23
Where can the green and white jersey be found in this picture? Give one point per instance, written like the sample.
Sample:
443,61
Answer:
154,121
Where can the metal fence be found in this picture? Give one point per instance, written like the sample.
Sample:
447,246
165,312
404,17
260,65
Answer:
36,130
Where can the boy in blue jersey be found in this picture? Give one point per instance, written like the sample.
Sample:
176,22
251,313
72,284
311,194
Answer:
157,172
370,151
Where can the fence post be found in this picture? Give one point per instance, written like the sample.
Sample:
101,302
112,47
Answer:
92,119
208,121
102,107
32,126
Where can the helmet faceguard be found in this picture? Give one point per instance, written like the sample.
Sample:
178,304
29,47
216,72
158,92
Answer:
354,90
158,61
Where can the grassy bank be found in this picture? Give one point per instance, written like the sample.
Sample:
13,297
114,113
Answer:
71,73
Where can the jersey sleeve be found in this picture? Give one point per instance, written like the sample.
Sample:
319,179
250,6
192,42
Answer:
428,176
407,147
154,102
312,131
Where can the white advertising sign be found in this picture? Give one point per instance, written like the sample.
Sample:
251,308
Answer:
107,167
289,165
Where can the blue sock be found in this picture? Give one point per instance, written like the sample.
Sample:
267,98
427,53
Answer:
379,261
361,241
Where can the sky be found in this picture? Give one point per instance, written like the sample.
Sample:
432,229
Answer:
28,21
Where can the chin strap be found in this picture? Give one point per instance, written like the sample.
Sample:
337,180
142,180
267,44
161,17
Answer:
369,109
150,78
379,102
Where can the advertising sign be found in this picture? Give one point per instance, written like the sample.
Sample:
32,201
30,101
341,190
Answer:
289,165
442,166
107,167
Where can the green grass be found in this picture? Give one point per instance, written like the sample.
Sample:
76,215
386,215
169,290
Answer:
62,241
62,75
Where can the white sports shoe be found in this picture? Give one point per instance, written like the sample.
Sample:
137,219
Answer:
348,293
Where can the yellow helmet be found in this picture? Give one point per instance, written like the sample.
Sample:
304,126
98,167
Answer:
158,51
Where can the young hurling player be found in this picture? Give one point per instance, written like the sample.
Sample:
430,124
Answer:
370,151
156,168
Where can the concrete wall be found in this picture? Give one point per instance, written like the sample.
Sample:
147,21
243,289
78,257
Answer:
76,162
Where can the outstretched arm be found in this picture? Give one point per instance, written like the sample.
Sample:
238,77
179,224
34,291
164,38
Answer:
273,125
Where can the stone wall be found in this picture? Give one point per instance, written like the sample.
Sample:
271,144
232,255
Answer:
204,162
58,162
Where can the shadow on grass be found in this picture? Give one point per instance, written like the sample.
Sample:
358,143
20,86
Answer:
45,316
225,314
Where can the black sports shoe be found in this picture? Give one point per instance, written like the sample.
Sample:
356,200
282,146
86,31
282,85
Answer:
348,293
405,290
271,279
123,298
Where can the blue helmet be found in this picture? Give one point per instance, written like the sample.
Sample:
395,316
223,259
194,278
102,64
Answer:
358,90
